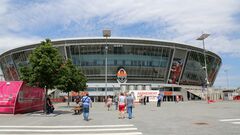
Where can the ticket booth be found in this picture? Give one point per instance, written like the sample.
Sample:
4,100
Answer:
17,97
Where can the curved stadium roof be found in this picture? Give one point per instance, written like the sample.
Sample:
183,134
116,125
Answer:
122,40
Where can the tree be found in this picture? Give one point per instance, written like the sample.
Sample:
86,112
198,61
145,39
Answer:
44,64
71,79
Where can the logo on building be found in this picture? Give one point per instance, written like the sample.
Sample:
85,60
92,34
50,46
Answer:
122,76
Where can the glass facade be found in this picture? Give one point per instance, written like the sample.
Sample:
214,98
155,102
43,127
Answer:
9,68
21,59
177,66
194,72
140,62
145,61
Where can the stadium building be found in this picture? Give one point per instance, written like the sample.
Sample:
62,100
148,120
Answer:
133,64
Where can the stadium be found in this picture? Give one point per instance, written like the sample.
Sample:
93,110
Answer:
132,64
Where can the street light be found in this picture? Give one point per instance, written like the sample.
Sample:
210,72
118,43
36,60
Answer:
106,34
202,37
114,92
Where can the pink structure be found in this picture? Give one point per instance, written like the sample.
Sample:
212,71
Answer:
17,97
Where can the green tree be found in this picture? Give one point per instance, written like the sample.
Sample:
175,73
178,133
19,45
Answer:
71,78
44,64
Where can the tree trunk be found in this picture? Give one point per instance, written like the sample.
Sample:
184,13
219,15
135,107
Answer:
45,100
68,99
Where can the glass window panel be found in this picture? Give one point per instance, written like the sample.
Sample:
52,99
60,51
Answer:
194,73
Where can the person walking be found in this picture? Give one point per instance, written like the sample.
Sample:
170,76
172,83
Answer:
116,102
130,105
177,98
121,105
78,106
86,103
109,103
144,100
141,99
159,100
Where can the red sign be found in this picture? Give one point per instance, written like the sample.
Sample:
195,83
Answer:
81,93
168,93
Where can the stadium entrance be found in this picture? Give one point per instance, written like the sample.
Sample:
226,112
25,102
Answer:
172,93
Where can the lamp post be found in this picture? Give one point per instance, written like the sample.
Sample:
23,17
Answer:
202,37
106,34
114,92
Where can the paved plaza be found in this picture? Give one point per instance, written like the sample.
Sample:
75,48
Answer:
184,118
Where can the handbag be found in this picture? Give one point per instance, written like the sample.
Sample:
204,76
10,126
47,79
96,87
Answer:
52,107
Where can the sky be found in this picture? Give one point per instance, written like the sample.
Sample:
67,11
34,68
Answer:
24,22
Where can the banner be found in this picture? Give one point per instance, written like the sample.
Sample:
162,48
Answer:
139,94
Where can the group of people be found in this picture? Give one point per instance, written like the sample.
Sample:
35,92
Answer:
84,104
85,101
143,99
123,102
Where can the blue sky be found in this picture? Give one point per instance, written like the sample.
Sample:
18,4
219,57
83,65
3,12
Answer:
24,22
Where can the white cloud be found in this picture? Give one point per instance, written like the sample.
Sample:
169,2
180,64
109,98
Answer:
223,45
3,8
3,11
184,20
183,16
177,20
10,42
